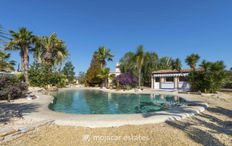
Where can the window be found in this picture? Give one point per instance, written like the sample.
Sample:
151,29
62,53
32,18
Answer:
182,79
157,79
169,79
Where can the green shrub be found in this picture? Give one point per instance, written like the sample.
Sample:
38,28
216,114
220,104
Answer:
81,78
41,75
12,88
20,76
210,79
68,71
58,79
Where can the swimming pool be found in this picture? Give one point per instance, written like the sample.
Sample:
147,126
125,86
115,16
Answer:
83,101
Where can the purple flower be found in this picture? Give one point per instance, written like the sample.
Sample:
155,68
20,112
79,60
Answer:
126,79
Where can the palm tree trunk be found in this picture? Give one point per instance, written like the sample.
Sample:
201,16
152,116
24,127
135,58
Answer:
106,82
139,78
25,65
21,60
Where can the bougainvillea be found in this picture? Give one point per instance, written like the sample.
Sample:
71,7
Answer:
126,80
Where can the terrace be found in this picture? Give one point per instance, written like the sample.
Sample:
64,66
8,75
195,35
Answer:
170,80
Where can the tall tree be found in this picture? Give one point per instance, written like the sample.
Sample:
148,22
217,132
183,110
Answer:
23,40
139,59
103,54
127,64
91,77
165,63
176,64
205,65
150,64
50,50
68,71
2,34
192,60
81,77
5,63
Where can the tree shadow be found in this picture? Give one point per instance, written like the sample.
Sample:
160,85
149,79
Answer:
220,110
10,110
196,134
220,126
213,125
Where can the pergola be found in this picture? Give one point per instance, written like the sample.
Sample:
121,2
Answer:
170,79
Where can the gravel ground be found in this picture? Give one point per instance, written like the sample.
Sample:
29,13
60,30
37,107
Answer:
212,127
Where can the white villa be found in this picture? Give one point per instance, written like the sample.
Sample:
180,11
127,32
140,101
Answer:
117,70
170,80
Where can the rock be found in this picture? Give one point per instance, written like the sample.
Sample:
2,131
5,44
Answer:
23,129
6,131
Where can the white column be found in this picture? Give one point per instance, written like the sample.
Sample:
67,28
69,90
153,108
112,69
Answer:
152,82
176,82
161,82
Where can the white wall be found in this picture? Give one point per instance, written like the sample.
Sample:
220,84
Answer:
157,85
167,85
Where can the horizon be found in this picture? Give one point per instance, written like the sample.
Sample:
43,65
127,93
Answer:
173,29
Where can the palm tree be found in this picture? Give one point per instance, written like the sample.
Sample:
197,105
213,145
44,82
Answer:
150,64
23,40
104,55
38,50
1,34
104,75
192,60
205,65
5,63
50,50
176,64
139,59
165,63
126,63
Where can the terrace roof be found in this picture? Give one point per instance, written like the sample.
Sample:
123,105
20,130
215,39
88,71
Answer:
171,71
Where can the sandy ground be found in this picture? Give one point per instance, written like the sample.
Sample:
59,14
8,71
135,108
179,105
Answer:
212,127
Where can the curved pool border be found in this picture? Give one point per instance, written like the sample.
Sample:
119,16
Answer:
195,106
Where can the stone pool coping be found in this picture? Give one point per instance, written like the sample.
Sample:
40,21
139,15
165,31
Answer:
114,120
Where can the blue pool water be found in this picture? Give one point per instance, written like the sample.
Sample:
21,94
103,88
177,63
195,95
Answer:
99,102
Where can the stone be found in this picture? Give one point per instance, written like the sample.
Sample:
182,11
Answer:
6,131
23,129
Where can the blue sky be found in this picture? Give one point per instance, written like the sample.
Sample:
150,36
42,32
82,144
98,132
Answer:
172,28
